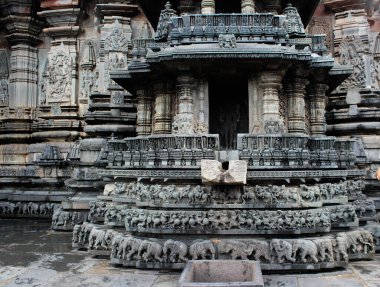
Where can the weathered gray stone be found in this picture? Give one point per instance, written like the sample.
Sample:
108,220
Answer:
221,273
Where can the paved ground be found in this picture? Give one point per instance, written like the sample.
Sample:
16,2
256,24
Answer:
31,255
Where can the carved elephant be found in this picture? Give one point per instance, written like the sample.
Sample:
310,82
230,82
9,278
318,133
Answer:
305,248
237,249
150,250
260,249
283,250
96,239
175,251
129,247
325,249
202,249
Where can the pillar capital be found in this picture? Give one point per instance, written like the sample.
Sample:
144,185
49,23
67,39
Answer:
208,6
247,6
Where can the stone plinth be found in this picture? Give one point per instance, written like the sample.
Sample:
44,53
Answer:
222,273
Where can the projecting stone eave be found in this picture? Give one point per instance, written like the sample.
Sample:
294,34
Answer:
130,79
242,51
338,74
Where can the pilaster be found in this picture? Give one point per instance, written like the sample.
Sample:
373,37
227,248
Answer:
296,91
270,82
184,120
144,112
162,108
318,100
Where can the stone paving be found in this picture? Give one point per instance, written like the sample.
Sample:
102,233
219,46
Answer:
31,255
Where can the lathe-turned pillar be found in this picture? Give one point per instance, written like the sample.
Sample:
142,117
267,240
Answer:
296,90
144,112
184,120
317,109
208,6
162,108
247,6
270,83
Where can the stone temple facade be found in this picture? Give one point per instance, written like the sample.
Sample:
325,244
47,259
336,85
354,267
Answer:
163,132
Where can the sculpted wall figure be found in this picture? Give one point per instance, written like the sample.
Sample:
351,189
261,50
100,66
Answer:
59,73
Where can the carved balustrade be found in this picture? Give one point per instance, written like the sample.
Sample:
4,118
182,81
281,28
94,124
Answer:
345,152
259,27
162,151
295,151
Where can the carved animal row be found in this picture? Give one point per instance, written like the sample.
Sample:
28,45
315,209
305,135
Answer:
27,208
98,210
365,208
323,249
267,195
224,219
67,219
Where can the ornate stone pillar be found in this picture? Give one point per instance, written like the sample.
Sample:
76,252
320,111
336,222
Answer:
296,105
208,6
270,83
184,121
317,109
23,30
247,6
162,109
144,113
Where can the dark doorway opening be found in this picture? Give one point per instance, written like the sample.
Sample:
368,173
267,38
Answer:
227,6
228,109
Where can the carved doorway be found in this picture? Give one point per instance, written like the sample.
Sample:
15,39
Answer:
228,109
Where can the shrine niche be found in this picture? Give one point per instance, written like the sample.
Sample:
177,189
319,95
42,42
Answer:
228,109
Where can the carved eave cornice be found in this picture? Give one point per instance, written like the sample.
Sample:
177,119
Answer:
243,52
62,17
338,74
131,79
325,62
65,31
116,9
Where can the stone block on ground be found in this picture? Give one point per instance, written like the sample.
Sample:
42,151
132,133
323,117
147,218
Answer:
221,273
